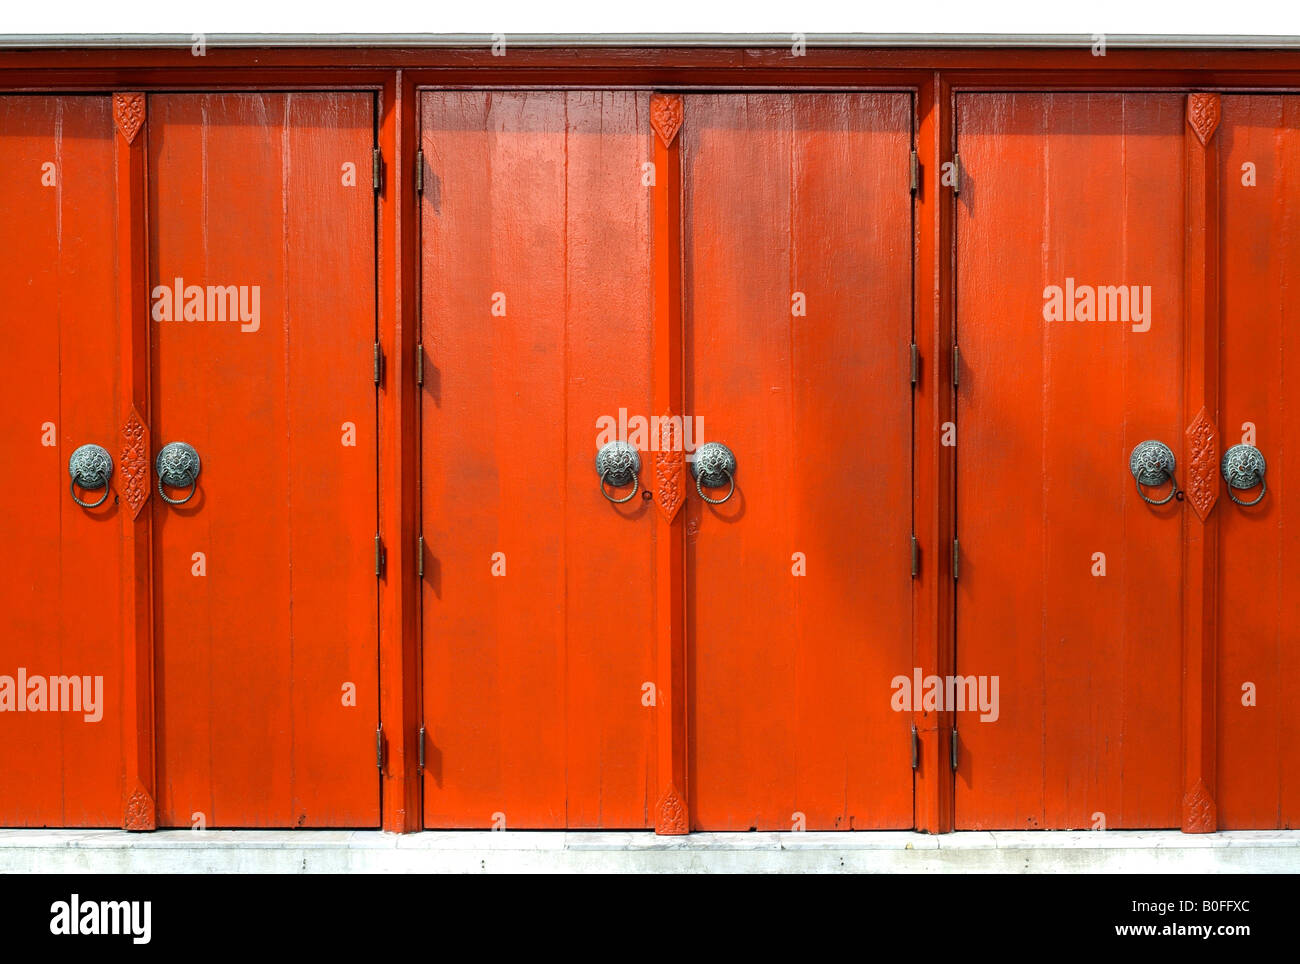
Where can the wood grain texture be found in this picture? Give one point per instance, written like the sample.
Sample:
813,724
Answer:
139,809
1090,187
61,586
1257,786
533,680
933,502
672,808
248,189
790,676
1200,460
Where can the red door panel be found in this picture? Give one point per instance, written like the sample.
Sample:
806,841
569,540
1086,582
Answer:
537,592
257,655
1258,145
60,589
797,288
1087,190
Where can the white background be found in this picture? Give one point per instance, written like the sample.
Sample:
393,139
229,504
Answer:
1222,17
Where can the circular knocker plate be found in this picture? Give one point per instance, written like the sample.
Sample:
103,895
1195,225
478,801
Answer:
1243,467
177,466
618,464
1152,463
714,466
90,467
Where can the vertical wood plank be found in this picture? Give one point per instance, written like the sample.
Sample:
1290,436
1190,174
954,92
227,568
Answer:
672,809
1201,458
399,633
933,476
139,810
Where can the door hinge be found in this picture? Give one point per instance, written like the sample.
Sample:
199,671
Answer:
953,748
379,555
419,557
916,557
916,748
379,746
956,366
378,367
377,170
956,558
419,172
419,363
956,174
915,173
421,749
915,363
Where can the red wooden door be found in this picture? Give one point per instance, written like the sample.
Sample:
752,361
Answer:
537,592
261,213
797,286
1257,155
60,756
1069,588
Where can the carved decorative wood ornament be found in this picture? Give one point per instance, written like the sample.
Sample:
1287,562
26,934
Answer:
670,468
135,462
128,114
1203,115
666,116
139,811
671,816
1202,464
1198,810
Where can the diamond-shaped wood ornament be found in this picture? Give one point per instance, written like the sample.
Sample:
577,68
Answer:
666,116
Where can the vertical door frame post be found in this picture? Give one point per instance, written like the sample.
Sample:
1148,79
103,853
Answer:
397,256
139,806
933,475
1200,462
672,806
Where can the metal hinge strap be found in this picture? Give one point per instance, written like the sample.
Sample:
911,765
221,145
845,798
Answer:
956,174
419,364
379,555
915,173
379,746
916,748
377,170
419,172
419,557
916,557
956,365
421,749
956,558
915,361
378,368
953,748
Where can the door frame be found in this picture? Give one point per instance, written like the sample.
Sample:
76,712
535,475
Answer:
394,74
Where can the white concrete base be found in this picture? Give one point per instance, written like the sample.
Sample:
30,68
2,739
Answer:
331,851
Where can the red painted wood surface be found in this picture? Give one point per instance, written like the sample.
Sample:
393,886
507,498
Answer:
1259,607
533,679
1090,187
61,591
254,656
933,462
139,808
1201,449
669,476
1254,749
789,688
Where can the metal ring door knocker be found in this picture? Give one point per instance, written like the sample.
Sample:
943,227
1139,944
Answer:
90,467
177,465
617,464
714,465
1243,468
1152,463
